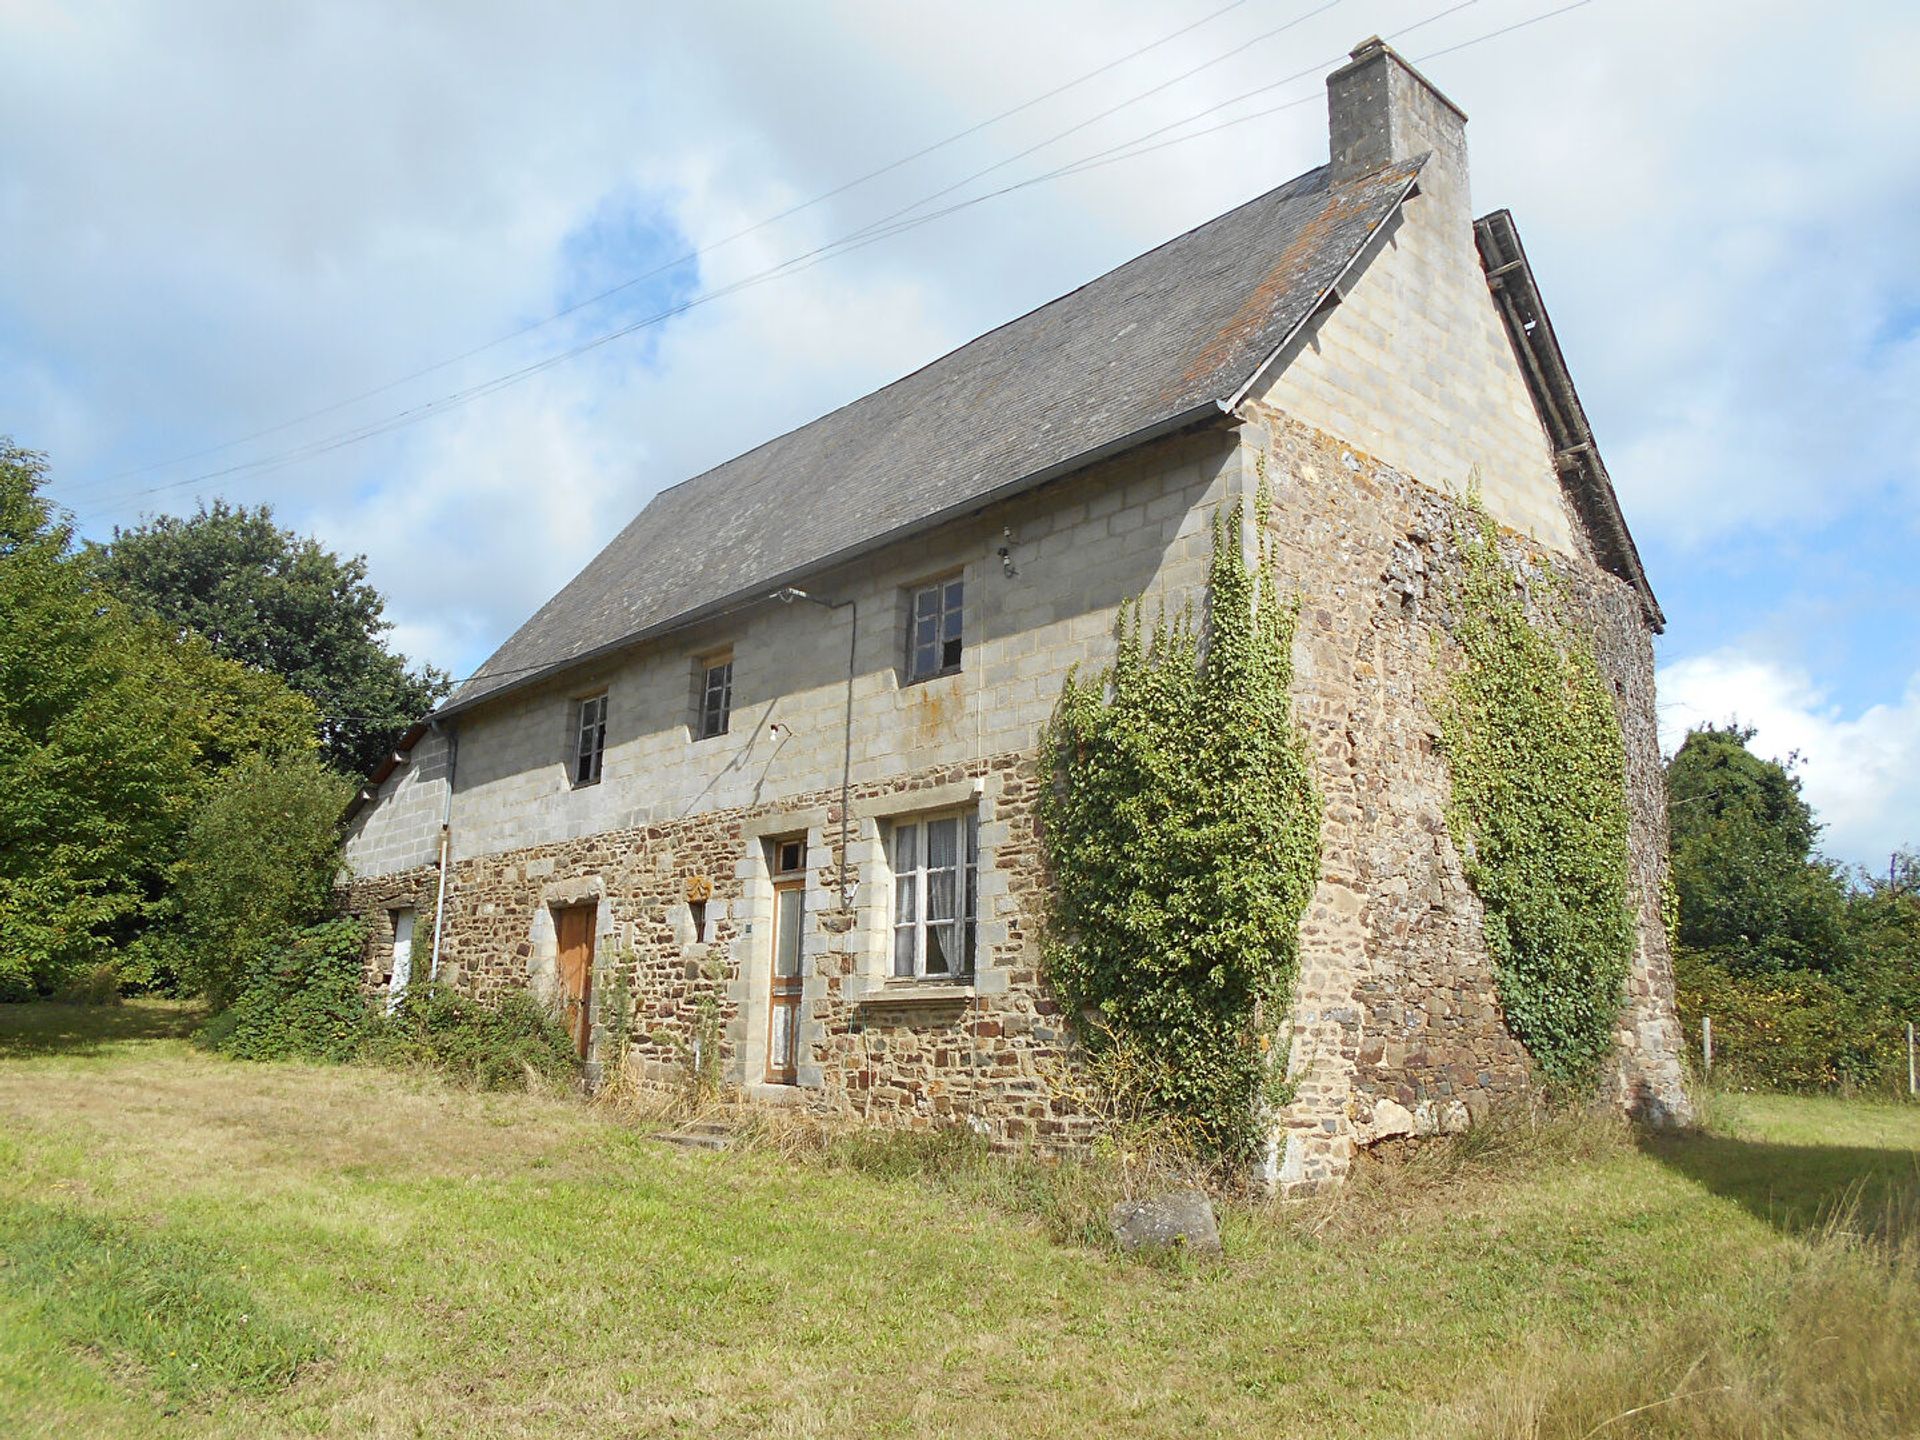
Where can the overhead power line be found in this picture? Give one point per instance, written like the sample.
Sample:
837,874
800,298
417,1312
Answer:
690,255
854,240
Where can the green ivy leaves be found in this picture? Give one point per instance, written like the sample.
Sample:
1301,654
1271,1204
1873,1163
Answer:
1539,810
1183,829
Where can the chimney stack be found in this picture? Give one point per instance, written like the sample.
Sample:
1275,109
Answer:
1380,109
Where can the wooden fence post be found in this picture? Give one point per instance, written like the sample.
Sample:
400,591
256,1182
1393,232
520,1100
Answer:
1706,1041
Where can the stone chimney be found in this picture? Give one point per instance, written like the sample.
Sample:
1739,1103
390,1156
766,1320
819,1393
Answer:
1380,109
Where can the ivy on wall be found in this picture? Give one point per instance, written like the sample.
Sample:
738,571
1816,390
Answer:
1183,830
1539,807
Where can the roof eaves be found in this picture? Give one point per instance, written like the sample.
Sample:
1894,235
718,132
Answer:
1576,453
392,761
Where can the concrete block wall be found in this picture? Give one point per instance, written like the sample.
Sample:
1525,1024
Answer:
1414,367
1135,526
399,828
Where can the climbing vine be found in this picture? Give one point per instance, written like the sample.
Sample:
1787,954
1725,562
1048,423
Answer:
1183,830
1539,809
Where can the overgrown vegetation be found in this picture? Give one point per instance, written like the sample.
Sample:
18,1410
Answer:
1539,806
303,1000
259,862
1183,831
512,1043
517,1265
1810,975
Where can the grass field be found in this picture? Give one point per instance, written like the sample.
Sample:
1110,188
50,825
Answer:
191,1246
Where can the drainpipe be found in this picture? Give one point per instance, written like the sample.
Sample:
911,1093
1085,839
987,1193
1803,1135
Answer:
446,849
787,597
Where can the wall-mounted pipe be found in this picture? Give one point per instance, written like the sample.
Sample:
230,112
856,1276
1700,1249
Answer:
446,850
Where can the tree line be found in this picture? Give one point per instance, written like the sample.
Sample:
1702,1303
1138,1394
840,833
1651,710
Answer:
1809,970
184,713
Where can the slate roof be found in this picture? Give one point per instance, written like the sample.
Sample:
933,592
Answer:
1147,348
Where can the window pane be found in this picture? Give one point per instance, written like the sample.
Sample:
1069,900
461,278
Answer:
903,950
943,839
786,944
926,631
781,1046
927,602
906,849
941,896
951,625
940,952
953,596
905,890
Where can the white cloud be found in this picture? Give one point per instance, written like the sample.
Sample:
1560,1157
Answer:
1861,773
219,216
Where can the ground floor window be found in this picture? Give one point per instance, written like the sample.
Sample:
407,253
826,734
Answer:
935,890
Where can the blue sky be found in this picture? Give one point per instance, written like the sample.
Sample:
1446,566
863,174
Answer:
223,218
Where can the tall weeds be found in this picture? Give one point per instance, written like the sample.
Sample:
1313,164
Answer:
1824,1342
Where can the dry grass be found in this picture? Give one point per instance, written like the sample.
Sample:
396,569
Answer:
1821,1342
423,1261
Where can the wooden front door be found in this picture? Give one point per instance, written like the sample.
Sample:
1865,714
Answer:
574,928
783,1023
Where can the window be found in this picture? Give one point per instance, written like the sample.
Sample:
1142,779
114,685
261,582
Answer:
933,636
934,896
716,697
590,740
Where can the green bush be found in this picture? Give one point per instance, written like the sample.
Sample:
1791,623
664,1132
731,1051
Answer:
300,1001
95,985
507,1045
261,856
1790,1030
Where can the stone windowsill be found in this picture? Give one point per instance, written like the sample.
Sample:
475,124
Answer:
921,992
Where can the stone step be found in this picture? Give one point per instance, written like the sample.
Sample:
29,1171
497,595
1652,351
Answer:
698,1135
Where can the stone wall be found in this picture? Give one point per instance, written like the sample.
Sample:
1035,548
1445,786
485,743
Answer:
993,1052
1398,1028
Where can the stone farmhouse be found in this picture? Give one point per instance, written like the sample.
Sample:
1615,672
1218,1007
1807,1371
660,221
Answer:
770,759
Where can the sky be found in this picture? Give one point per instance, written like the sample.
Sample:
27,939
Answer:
284,253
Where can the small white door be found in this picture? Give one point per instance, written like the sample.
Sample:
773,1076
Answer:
402,956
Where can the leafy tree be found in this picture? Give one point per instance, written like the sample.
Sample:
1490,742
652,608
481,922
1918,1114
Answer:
1883,924
1752,892
111,729
282,603
261,855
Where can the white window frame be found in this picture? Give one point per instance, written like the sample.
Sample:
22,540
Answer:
910,893
706,689
942,591
589,719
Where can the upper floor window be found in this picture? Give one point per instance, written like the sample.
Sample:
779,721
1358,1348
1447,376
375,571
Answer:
935,894
590,738
716,697
934,629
